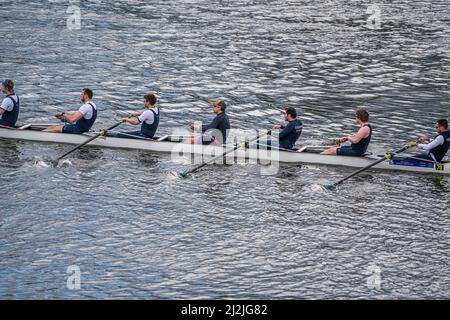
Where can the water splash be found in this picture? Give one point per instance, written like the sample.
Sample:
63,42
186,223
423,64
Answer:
173,175
41,164
318,188
65,163
44,164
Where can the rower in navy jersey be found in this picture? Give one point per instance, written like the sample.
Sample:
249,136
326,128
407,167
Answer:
359,142
79,121
149,119
438,147
215,132
10,107
292,131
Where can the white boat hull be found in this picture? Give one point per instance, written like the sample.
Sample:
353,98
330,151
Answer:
181,149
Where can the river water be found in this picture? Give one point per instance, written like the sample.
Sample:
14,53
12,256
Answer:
227,232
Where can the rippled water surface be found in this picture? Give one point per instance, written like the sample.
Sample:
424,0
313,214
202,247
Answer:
228,232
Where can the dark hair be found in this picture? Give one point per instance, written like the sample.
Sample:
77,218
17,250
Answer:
9,84
291,111
362,114
443,123
151,98
88,92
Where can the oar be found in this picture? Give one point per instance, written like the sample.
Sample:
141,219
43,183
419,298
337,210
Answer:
388,156
187,173
101,133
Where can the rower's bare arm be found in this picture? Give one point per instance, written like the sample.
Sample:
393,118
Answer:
362,134
135,114
133,121
2,111
73,116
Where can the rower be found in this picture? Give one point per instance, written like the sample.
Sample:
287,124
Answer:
359,142
10,107
438,147
292,131
148,119
216,132
79,121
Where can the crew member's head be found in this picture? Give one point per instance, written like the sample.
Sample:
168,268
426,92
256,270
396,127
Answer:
361,115
219,106
290,113
7,86
150,100
86,95
442,125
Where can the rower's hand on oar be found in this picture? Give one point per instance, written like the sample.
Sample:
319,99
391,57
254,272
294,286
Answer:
134,114
339,141
194,127
59,115
131,115
423,139
277,126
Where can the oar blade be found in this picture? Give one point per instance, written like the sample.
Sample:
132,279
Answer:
178,175
183,175
54,163
329,187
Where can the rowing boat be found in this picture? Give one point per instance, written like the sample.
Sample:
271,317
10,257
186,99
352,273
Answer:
305,155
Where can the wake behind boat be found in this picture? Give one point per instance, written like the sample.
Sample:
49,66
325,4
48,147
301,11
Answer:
173,144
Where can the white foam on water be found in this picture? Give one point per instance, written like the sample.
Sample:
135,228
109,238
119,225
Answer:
41,164
65,163
318,188
172,175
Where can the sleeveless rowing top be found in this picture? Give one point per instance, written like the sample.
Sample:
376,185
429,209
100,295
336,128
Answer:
149,130
363,144
9,118
440,151
84,124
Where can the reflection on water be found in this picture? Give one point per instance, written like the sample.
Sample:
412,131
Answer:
228,231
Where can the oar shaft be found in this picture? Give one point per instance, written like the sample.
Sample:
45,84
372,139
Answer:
87,141
211,160
224,154
124,134
386,157
359,171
